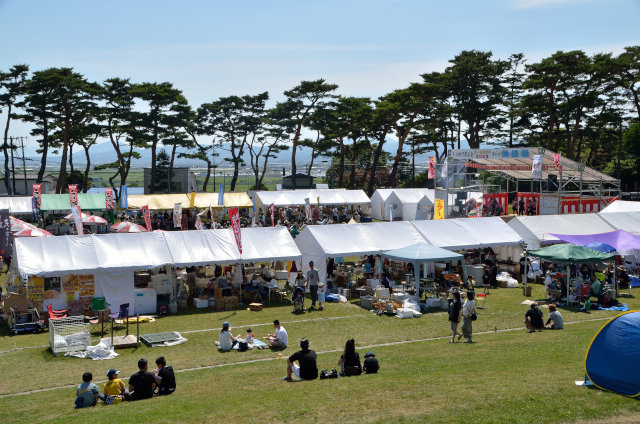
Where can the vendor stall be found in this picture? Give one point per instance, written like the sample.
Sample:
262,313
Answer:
283,198
201,201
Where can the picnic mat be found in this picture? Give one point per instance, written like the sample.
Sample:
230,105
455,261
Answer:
623,307
132,320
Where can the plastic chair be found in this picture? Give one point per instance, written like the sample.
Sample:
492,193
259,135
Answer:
62,313
122,313
482,296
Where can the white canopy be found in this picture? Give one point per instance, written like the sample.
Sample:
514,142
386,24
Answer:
401,200
622,206
534,229
465,233
628,221
16,204
130,251
284,198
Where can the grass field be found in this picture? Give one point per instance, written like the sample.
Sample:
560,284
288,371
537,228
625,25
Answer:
507,376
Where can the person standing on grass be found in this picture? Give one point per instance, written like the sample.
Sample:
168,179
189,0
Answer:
143,383
468,309
307,368
312,284
533,319
455,314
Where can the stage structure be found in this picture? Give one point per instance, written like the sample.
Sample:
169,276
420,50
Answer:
555,184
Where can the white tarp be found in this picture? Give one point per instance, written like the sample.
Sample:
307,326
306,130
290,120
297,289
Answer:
55,256
534,229
268,244
622,206
117,288
628,221
131,251
17,204
284,198
466,233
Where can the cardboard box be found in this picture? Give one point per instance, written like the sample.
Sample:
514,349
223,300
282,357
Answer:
526,290
367,302
200,303
255,306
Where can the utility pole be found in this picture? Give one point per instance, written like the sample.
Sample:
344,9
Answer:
13,168
24,167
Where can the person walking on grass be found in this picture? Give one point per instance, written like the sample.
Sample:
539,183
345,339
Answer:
455,314
468,310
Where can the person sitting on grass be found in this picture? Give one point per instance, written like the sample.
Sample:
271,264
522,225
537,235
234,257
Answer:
349,361
556,317
226,341
114,390
280,339
371,365
143,383
533,319
165,378
86,393
307,368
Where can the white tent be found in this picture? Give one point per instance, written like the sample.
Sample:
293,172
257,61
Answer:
378,206
285,198
16,204
465,233
401,200
628,221
534,229
622,206
319,242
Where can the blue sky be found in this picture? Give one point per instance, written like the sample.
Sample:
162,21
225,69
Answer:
217,48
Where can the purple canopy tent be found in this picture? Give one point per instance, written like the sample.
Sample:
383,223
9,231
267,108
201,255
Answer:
623,241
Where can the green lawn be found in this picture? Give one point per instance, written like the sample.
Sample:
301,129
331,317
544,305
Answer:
506,376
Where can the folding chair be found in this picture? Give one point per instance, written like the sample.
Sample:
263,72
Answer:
482,296
62,313
122,314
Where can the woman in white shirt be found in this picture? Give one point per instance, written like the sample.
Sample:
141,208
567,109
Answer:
468,309
226,340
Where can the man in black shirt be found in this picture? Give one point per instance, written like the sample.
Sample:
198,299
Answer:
308,369
165,378
533,319
142,383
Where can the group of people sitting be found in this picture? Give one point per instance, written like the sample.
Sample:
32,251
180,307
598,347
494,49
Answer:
533,319
227,341
349,362
142,385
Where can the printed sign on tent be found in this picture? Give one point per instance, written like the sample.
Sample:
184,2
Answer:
147,217
73,194
235,225
177,215
5,233
124,200
271,209
431,173
108,198
77,219
438,209
536,168
220,194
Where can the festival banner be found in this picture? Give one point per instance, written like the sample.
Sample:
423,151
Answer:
444,173
147,217
108,198
37,194
307,208
34,209
73,194
536,168
177,215
271,210
557,162
211,217
192,199
124,200
5,233
431,172
77,219
235,225
439,209
199,225
220,194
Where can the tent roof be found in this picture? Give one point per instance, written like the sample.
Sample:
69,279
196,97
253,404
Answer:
422,252
570,253
628,221
60,202
621,240
16,204
283,198
535,229
383,193
412,195
622,206
202,200
465,233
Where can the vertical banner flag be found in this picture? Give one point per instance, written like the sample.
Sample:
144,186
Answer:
536,168
177,215
108,198
124,201
77,218
439,209
211,217
5,233
272,210
445,169
34,209
220,194
556,160
73,194
235,225
307,208
147,217
431,173
192,199
199,225
37,194
390,213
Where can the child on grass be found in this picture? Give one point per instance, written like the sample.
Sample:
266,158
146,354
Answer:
321,297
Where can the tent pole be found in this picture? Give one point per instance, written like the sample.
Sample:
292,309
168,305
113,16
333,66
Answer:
416,277
525,278
568,275
464,271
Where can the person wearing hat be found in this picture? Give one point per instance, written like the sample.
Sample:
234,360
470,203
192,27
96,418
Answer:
307,368
226,341
114,390
370,365
165,378
533,319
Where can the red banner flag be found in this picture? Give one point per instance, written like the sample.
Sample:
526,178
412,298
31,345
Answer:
431,173
557,162
271,209
108,198
73,194
37,194
147,217
199,225
235,225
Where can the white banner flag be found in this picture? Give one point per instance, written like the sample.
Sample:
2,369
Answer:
77,219
536,168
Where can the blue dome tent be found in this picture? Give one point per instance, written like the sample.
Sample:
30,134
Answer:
612,360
